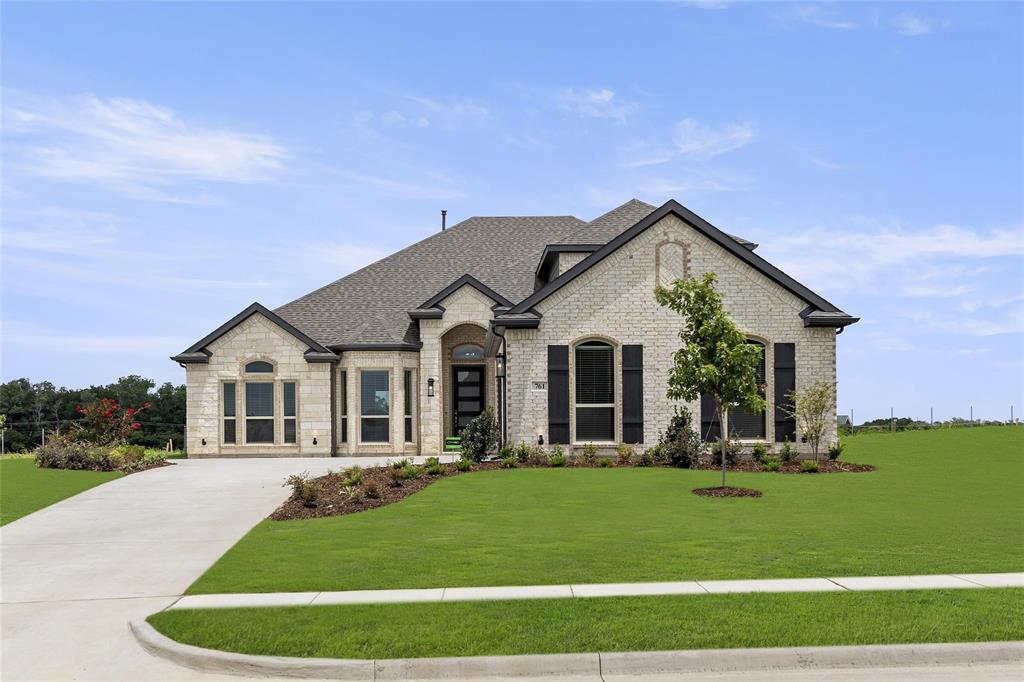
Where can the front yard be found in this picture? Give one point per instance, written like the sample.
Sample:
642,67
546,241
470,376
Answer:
940,501
25,488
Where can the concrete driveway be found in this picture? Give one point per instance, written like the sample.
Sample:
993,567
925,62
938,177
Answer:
72,575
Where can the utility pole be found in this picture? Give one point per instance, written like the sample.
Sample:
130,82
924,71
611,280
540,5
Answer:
972,414
892,422
42,436
1011,414
931,416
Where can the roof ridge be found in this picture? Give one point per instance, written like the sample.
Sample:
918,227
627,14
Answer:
634,200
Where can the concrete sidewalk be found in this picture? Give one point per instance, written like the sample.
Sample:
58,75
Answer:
442,594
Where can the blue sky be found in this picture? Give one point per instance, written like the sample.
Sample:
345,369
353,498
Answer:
164,165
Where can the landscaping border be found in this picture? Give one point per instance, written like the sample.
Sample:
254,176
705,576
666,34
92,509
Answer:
592,665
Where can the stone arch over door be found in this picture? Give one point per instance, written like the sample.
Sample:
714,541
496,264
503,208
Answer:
462,335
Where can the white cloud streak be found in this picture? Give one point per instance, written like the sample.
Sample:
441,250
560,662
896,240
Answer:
696,140
912,25
595,103
132,146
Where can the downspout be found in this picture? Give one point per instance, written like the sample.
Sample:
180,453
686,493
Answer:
504,391
334,408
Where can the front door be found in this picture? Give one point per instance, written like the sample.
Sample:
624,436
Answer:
467,395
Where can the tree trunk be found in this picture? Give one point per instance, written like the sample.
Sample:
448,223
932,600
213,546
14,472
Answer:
723,437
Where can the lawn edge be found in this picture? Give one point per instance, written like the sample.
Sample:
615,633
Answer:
589,664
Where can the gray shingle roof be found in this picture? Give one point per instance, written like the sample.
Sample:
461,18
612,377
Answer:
371,305
608,226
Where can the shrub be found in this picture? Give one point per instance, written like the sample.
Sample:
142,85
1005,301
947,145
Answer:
646,459
835,451
105,422
412,472
64,452
771,463
353,493
588,458
809,466
604,462
625,453
522,453
371,489
505,450
557,457
508,462
432,466
480,436
401,463
352,476
657,453
464,464
305,488
537,456
681,442
398,476
128,457
788,452
732,452
760,451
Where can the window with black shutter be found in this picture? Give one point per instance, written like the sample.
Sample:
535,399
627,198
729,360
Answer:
632,394
558,394
595,392
743,424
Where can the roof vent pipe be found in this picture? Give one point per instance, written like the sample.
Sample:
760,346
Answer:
444,218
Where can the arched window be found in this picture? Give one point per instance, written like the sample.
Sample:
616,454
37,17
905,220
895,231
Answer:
743,424
595,392
468,351
259,367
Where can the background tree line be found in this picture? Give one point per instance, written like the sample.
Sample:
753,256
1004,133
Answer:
32,407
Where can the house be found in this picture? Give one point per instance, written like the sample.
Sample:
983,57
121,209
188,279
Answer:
549,320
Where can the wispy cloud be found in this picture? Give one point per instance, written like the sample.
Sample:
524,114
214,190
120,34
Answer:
825,163
708,4
697,140
133,146
403,189
909,24
595,103
823,16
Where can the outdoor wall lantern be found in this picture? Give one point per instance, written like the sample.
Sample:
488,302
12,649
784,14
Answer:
540,439
499,366
204,441
430,387
314,440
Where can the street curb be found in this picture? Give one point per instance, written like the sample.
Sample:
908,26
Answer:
595,666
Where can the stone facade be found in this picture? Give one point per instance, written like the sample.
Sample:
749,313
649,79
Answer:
614,301
465,306
257,338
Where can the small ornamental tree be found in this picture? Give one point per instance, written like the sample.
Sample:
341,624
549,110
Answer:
813,409
715,357
105,422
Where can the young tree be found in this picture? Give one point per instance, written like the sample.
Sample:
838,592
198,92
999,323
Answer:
715,357
813,408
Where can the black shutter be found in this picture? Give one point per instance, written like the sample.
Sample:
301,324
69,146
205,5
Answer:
632,394
558,394
785,383
709,428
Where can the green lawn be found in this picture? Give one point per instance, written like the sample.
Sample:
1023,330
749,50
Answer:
941,501
604,624
24,488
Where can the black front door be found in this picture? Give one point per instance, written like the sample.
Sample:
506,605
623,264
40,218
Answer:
467,394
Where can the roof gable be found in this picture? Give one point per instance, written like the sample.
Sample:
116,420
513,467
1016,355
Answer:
834,316
199,353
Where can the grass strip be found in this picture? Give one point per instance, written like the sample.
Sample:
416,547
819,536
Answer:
604,624
25,488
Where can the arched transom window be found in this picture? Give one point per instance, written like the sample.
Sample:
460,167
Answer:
468,351
259,367
594,368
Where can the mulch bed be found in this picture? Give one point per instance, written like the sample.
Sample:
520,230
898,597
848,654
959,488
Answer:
335,502
726,491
